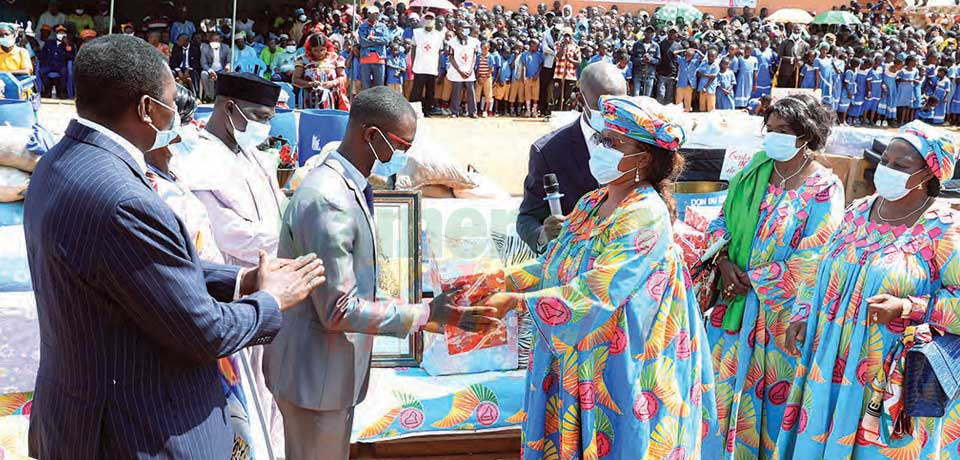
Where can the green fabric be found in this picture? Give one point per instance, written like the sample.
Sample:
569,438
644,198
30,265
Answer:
742,212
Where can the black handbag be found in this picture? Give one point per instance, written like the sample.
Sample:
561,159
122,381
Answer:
931,376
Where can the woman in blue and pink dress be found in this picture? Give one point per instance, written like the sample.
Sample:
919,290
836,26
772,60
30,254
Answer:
891,264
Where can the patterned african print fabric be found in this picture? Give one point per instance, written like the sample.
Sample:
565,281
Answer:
754,373
844,358
620,368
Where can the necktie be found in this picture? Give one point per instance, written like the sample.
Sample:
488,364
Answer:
368,196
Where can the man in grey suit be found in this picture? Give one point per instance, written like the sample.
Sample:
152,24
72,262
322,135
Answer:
214,57
319,363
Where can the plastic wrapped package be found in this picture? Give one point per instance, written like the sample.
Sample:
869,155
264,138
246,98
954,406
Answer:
13,183
722,130
849,141
14,152
694,244
429,163
461,352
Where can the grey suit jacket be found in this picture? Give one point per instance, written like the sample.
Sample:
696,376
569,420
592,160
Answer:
320,360
206,56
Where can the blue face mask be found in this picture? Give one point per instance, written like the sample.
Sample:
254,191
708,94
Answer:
595,119
166,136
397,161
780,147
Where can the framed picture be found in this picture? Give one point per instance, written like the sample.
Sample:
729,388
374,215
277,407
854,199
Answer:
397,229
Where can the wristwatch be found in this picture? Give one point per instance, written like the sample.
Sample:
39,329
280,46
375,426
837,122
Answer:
542,241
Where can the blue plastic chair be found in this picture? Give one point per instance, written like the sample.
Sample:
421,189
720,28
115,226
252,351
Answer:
39,81
254,66
202,113
284,124
317,128
291,96
16,86
18,113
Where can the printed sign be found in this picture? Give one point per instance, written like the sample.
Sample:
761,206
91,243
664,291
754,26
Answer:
735,160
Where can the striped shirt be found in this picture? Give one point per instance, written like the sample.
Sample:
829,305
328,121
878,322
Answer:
483,67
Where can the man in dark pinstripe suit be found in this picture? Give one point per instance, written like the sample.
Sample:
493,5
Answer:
131,321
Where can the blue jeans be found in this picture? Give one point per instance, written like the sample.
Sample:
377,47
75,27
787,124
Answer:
643,81
368,71
666,89
458,87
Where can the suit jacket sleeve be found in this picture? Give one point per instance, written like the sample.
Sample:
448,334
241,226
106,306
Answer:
533,210
329,232
152,275
221,280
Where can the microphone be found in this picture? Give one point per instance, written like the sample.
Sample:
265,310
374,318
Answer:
552,189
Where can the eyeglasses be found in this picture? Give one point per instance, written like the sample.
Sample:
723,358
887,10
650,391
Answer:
393,137
606,142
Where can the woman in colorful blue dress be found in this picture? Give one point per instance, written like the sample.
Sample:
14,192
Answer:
620,367
779,214
766,61
825,74
892,259
746,77
726,85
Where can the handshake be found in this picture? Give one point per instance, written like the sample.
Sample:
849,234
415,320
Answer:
470,305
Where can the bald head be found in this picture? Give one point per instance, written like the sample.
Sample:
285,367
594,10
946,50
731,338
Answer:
601,79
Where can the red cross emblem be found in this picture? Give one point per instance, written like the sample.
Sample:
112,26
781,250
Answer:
427,47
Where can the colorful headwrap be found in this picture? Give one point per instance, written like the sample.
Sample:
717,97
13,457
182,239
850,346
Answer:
8,26
937,146
643,119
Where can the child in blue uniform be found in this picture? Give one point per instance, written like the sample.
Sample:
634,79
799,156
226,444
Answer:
825,74
726,81
874,91
808,73
907,79
396,67
941,93
848,88
767,61
953,110
860,93
925,112
890,88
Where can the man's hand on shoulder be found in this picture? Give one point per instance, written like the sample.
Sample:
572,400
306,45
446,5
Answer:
288,281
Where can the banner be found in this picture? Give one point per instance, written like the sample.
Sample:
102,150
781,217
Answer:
712,3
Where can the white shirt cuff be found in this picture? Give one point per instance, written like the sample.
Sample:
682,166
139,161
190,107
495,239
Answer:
423,318
236,289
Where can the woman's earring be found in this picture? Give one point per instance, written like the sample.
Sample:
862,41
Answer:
636,177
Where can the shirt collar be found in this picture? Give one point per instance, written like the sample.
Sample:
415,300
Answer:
132,150
353,173
587,130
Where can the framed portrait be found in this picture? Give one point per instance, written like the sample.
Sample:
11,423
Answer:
397,231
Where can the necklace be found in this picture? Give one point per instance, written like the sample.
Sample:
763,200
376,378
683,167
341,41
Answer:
783,179
880,211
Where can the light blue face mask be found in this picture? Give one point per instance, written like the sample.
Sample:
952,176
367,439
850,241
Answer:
605,163
595,119
780,147
397,161
892,184
166,136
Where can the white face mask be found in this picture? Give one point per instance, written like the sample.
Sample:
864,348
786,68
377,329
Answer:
253,136
61,36
7,41
215,45
892,184
291,49
79,11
